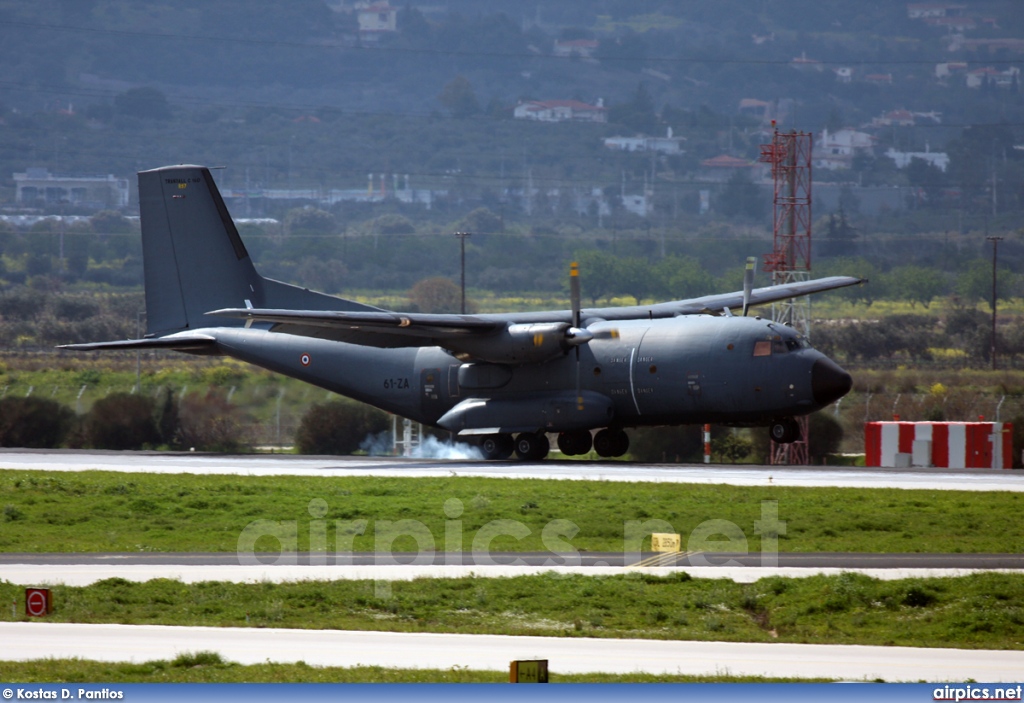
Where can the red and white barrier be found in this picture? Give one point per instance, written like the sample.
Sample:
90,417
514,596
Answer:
955,445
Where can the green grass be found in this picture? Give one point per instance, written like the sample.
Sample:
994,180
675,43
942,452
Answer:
204,667
978,611
94,511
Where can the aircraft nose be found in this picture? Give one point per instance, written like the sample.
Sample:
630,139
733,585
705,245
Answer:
829,382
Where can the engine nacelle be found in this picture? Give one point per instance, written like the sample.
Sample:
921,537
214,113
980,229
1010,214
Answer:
516,344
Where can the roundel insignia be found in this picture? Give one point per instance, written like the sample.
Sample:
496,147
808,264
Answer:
304,359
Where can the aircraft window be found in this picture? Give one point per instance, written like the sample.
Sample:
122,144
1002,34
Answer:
779,347
763,348
793,344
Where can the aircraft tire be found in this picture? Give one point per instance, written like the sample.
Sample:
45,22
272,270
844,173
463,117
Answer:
497,446
532,446
785,431
574,443
611,443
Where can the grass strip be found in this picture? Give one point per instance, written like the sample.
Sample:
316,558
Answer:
984,610
95,511
210,667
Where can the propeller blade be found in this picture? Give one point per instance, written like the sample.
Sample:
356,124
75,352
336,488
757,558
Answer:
748,283
574,292
577,336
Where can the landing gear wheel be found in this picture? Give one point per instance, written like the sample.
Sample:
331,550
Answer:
610,443
574,443
532,447
496,446
785,431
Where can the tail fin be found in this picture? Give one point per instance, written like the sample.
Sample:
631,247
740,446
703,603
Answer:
194,260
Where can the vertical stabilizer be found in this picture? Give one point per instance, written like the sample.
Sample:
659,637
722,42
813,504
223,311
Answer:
195,262
193,258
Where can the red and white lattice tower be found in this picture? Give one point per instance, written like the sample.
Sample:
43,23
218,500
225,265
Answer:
790,260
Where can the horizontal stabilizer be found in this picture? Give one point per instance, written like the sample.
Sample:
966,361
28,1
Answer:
189,342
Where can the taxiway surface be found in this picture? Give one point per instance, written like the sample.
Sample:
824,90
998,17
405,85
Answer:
85,569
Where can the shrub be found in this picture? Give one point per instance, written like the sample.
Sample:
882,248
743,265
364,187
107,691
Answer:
338,427
121,421
33,422
210,423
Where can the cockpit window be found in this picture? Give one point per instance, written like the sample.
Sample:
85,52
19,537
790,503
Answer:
763,348
779,347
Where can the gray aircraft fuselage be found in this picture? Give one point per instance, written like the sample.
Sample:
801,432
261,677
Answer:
695,368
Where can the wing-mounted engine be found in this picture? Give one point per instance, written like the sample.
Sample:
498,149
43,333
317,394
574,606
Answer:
518,344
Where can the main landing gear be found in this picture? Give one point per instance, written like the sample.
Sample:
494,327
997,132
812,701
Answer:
611,442
528,446
784,431
534,446
575,443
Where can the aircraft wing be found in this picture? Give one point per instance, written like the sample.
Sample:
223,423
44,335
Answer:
395,329
377,329
714,304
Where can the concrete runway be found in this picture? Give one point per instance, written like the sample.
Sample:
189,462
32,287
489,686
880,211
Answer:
138,643
737,475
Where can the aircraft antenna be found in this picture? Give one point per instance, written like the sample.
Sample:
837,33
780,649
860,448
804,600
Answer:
789,155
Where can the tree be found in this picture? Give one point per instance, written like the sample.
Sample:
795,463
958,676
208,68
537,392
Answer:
210,423
110,222
597,274
840,235
482,221
338,427
976,282
638,114
458,97
677,277
927,179
916,284
33,422
436,295
742,198
310,220
143,103
121,421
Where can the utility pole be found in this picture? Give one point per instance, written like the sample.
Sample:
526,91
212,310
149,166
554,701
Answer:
462,247
995,258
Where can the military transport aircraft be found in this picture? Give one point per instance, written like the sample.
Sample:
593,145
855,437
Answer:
503,381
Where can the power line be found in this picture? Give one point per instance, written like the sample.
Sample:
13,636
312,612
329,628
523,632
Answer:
477,54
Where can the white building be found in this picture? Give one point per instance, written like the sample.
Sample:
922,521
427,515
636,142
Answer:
938,159
582,48
668,144
1000,79
376,18
925,10
836,150
100,192
561,111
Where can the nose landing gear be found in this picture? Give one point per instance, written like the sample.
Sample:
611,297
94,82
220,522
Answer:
784,431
